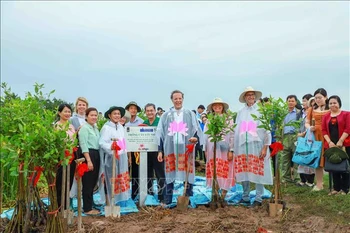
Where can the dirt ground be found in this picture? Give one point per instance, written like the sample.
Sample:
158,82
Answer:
203,219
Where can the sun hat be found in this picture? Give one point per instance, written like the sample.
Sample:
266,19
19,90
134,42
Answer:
127,116
133,103
217,100
113,108
335,155
309,101
258,94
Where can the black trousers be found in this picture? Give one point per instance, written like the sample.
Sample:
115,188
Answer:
59,182
90,179
135,178
307,178
341,181
153,166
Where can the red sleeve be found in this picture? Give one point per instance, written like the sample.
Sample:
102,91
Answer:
347,123
324,124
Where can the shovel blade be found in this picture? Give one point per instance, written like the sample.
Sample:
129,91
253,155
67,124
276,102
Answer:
112,211
182,202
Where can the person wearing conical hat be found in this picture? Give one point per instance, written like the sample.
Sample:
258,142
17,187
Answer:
112,133
224,153
251,155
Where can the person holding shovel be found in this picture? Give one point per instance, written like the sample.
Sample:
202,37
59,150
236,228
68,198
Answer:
252,157
112,143
224,153
177,128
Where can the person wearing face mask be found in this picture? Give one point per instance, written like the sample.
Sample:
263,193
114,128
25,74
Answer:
224,153
336,131
251,155
89,143
112,133
78,118
314,123
172,144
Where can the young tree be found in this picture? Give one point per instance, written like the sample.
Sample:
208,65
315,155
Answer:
218,127
272,115
33,145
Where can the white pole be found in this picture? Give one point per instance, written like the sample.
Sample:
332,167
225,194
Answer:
143,178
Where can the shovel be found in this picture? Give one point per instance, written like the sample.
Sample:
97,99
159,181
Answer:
112,210
68,212
183,201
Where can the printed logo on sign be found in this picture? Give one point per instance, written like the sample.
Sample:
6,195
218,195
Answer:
143,130
142,147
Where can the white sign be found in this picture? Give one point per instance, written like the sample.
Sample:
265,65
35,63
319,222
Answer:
141,138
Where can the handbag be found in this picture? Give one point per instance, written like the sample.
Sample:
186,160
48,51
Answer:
308,151
342,167
336,160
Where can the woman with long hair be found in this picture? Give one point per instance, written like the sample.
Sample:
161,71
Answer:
314,123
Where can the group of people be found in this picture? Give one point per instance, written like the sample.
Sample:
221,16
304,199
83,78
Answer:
242,156
322,116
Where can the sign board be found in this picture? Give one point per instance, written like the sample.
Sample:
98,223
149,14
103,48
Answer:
141,138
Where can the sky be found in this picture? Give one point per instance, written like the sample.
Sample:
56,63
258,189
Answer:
116,52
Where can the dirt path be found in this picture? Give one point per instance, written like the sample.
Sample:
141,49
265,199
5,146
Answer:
202,219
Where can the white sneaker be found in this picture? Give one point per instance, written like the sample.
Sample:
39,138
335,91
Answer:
309,184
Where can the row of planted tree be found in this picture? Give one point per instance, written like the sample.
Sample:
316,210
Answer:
30,146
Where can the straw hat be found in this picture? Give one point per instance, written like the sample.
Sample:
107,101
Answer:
113,108
309,102
258,94
217,100
127,116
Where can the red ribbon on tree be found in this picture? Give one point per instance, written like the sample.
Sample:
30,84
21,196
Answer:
69,155
276,147
190,148
38,170
82,168
116,148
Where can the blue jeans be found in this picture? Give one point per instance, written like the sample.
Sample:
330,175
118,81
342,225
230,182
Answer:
169,190
246,190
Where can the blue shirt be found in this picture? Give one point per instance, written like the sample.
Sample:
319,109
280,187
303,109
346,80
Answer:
291,116
136,122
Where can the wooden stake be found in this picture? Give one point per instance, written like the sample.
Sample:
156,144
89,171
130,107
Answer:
78,161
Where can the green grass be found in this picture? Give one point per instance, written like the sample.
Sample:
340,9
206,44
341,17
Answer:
335,209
